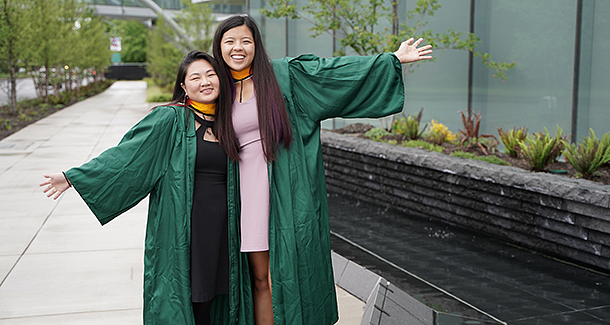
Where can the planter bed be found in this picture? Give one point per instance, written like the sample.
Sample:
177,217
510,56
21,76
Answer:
559,216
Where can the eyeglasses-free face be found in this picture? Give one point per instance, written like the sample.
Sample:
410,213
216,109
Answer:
238,48
201,83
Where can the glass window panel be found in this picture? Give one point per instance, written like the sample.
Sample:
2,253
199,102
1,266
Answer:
539,37
273,31
441,87
594,95
300,40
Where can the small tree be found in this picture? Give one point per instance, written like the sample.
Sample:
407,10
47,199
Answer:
197,19
133,40
93,48
165,54
49,34
12,46
355,24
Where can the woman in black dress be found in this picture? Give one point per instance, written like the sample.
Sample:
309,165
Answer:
209,230
198,88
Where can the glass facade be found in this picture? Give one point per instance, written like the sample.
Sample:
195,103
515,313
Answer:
594,90
540,40
558,73
169,4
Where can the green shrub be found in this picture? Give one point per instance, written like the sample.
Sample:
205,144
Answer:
438,133
409,126
376,134
511,140
589,154
6,124
423,144
489,159
24,118
541,149
469,136
160,98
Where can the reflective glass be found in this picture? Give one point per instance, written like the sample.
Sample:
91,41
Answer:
441,87
273,31
539,36
594,94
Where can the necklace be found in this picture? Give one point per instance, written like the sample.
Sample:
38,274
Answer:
207,124
241,76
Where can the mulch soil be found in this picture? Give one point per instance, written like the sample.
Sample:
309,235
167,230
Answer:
17,122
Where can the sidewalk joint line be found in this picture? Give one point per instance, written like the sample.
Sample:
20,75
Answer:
31,241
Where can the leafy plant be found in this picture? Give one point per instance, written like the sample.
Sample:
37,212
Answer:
160,98
23,118
376,134
409,126
469,136
359,26
540,149
438,133
589,155
6,124
511,140
489,159
422,145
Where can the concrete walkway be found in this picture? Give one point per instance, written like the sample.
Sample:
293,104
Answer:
57,264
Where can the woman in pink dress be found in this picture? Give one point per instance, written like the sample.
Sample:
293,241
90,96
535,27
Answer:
262,125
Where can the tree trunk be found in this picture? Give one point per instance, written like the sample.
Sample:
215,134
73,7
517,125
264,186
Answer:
45,89
12,93
12,82
395,21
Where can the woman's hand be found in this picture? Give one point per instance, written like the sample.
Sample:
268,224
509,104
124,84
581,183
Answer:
408,52
57,184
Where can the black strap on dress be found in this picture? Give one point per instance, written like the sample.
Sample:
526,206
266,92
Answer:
205,123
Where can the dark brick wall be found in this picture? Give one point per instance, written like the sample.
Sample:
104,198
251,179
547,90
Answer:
555,215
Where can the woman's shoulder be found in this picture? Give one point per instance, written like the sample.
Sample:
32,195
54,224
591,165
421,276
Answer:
168,111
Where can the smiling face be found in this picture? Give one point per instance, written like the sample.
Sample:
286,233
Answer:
201,83
237,46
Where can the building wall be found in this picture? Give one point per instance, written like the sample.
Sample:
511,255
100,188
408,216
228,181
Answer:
539,36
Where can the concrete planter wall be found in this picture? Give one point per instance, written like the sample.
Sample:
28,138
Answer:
555,215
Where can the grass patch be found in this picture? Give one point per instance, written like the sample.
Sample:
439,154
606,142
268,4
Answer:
489,159
376,134
156,94
422,145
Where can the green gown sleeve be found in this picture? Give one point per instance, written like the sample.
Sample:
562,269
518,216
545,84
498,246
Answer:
351,86
123,175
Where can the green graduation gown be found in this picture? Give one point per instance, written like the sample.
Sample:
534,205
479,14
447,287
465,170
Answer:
314,89
157,158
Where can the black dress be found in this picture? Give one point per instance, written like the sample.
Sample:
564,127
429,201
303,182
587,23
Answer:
209,225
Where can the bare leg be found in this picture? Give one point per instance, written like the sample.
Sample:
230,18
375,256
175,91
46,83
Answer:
261,291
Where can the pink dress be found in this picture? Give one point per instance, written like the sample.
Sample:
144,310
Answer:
253,178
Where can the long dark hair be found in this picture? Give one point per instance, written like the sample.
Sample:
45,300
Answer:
273,120
225,135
